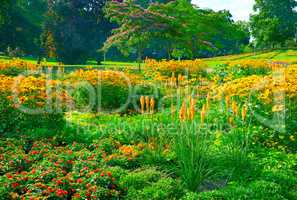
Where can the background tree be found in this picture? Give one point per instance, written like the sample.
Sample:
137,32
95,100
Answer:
177,26
78,28
274,23
21,27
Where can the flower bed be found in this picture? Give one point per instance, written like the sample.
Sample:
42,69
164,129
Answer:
29,102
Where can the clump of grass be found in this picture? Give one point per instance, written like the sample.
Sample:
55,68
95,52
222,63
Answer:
194,158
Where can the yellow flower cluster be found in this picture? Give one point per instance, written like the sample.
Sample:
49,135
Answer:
178,67
284,80
19,64
32,90
111,77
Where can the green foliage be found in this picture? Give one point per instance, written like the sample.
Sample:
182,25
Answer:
194,157
78,29
177,26
15,121
150,184
274,22
20,26
12,71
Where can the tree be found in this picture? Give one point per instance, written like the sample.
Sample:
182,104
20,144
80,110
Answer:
20,26
274,23
178,27
78,28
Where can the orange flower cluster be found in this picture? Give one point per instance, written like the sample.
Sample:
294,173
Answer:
165,68
96,77
284,80
32,90
149,104
19,64
187,112
128,152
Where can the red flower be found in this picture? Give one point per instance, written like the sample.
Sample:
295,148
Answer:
34,152
61,193
109,174
76,195
9,176
15,184
79,180
59,182
33,171
102,174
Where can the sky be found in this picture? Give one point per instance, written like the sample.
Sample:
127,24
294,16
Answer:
240,9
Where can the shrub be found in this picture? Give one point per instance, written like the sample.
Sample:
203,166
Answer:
150,184
108,91
255,190
26,104
15,67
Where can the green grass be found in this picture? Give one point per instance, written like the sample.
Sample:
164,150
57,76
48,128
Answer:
289,56
281,55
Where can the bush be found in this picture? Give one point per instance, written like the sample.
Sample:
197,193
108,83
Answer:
255,190
150,184
16,67
25,104
108,91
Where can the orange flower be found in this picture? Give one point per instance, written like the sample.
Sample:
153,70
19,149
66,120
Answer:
152,104
142,104
147,103
244,112
192,108
182,111
234,108
202,117
227,99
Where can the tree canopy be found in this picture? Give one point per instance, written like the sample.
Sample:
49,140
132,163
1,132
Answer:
275,22
77,27
177,26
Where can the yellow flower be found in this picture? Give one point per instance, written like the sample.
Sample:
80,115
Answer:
278,108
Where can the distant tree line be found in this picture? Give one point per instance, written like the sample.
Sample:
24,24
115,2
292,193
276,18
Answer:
73,31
